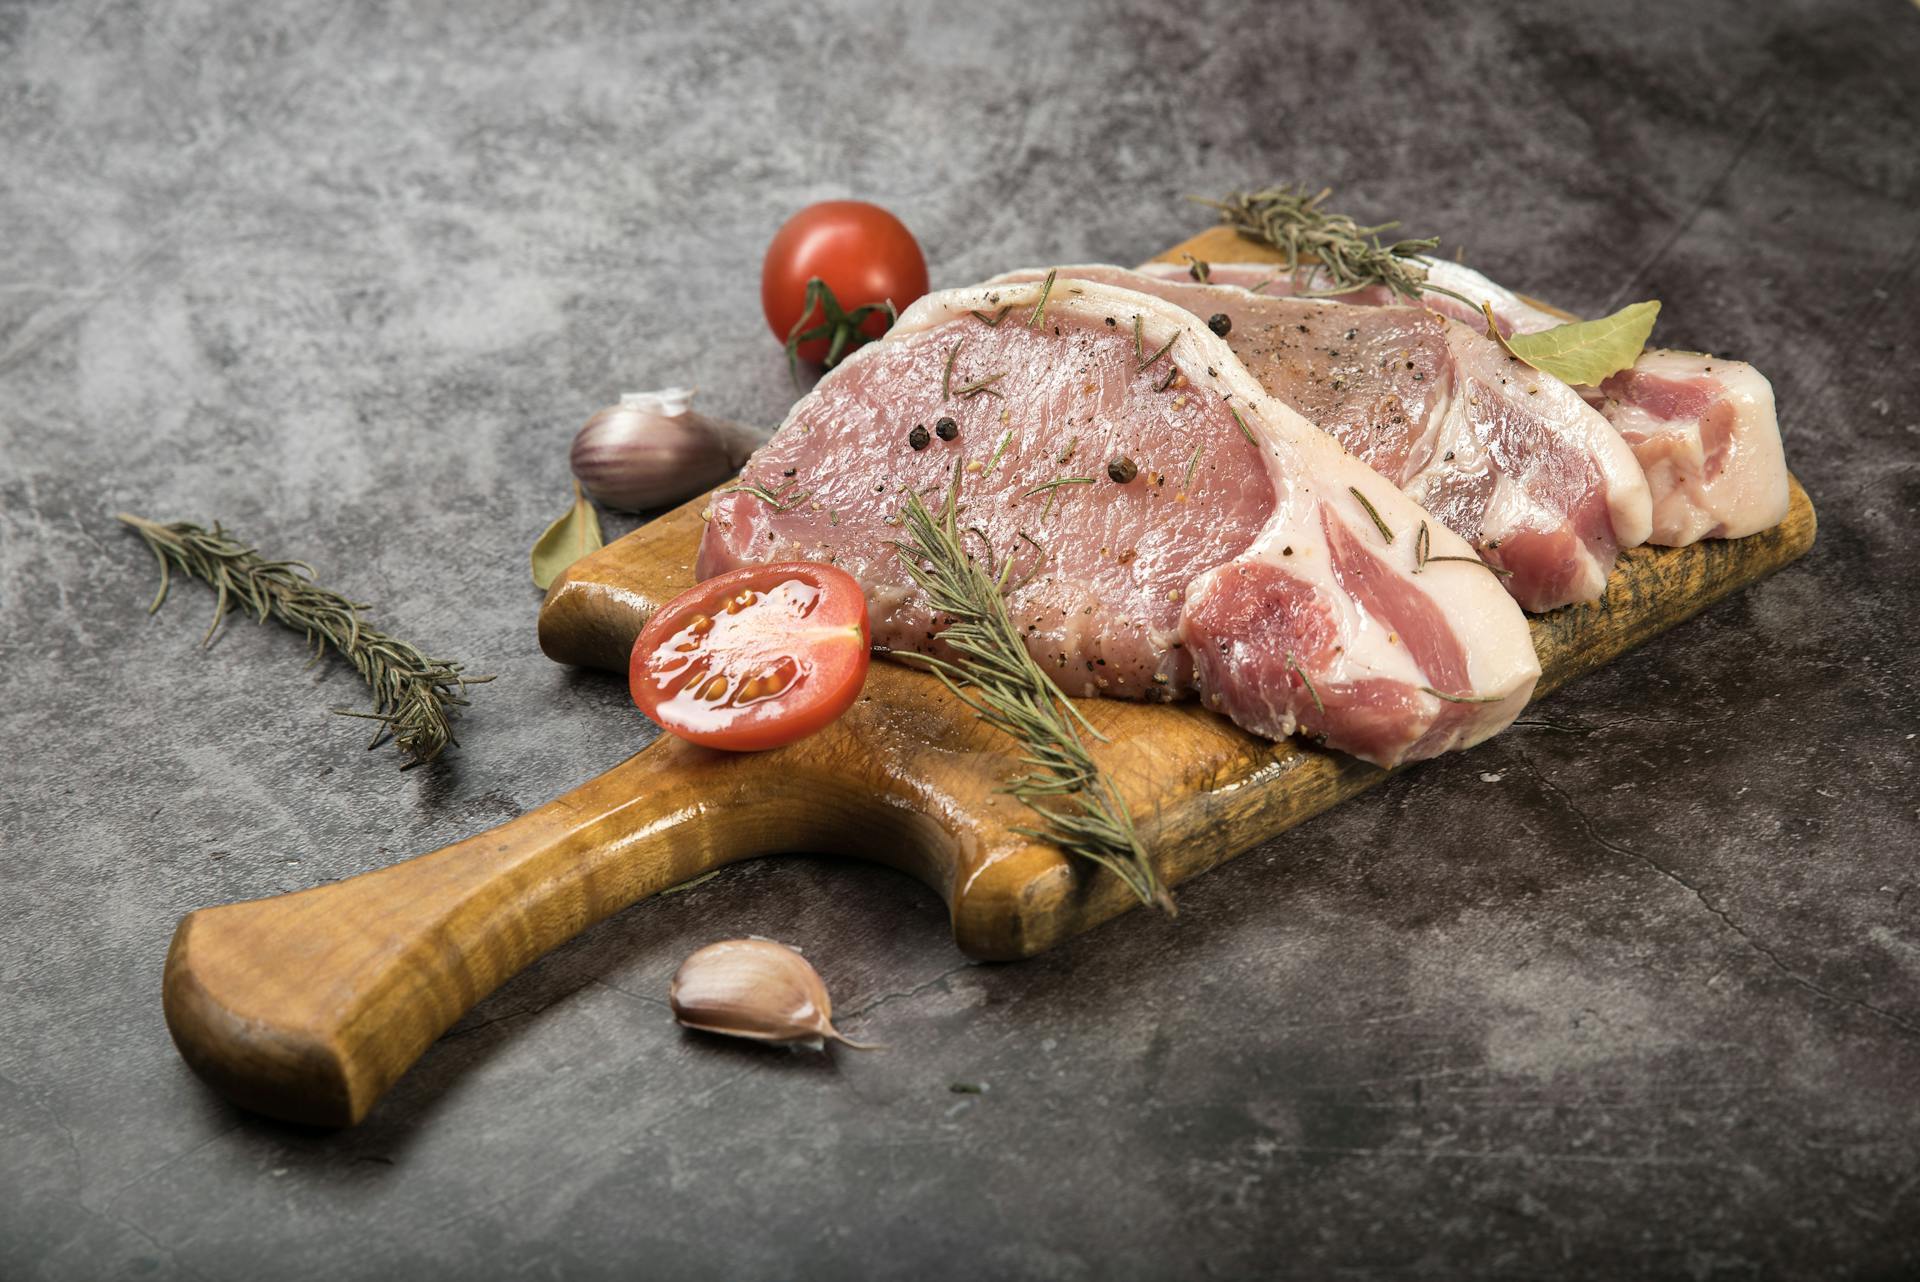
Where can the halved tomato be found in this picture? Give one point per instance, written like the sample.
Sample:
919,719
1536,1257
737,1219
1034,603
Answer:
754,658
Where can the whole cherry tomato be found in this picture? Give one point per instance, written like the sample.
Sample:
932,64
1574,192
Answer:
863,257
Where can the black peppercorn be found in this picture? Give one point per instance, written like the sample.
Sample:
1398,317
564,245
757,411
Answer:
1122,470
1220,323
947,428
918,437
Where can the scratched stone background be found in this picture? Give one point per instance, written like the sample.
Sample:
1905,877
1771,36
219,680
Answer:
1633,990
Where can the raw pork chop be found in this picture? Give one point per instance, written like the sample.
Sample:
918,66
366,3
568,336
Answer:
1510,460
1706,434
1704,429
1167,528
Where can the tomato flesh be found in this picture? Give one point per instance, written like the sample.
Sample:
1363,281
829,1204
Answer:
863,253
754,658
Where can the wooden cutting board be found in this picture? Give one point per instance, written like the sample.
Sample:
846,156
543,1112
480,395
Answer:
308,1006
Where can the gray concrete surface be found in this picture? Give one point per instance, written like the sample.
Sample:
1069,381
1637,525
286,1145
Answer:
1633,990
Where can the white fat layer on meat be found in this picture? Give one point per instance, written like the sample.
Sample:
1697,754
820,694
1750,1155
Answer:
1516,311
1520,316
1749,493
1309,469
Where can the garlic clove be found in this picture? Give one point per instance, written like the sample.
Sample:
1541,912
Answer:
652,450
758,989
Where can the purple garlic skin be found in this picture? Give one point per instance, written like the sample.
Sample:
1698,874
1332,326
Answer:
652,450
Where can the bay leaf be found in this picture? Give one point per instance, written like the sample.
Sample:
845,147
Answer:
1585,353
566,541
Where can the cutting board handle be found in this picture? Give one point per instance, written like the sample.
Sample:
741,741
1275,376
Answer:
308,1006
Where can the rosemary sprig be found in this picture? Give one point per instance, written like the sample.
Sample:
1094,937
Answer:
1422,546
1192,463
415,698
993,321
1079,808
1348,255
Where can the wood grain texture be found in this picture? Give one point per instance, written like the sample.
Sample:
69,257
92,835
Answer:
309,1006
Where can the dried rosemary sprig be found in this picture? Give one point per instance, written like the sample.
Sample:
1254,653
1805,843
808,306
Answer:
1080,809
414,698
1347,255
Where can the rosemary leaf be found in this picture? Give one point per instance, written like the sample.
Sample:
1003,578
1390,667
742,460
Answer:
1149,362
1248,433
1040,308
1307,681
999,449
1472,560
979,385
778,501
1079,807
1373,512
1056,483
1463,698
415,698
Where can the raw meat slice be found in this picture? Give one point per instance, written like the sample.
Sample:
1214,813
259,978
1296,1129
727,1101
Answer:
1706,434
1703,428
1510,460
1166,527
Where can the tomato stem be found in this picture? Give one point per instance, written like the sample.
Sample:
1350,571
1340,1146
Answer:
840,327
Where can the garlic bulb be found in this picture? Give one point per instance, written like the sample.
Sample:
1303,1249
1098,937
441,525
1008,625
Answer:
755,988
651,450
